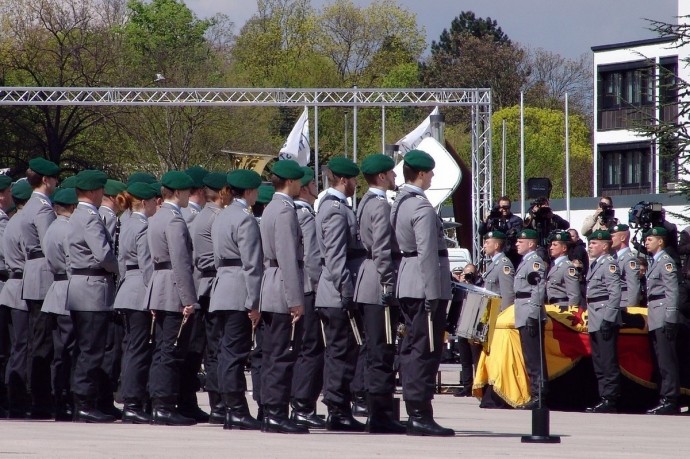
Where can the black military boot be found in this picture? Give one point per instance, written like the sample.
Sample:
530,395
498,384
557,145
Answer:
64,411
359,404
340,419
382,419
18,400
237,413
304,414
421,421
189,407
276,420
85,411
532,404
106,404
667,406
259,412
165,413
217,405
134,413
605,405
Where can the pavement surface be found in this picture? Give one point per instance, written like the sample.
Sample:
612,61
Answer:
479,433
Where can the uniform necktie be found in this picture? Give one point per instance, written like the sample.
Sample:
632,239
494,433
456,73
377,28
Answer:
591,266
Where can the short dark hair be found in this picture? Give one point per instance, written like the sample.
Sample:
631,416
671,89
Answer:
34,178
237,192
505,198
277,182
608,198
409,174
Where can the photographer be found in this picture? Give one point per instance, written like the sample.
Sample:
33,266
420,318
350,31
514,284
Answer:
603,218
542,219
502,219
646,215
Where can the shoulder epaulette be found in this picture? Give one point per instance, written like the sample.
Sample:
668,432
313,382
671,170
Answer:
380,198
91,212
45,202
175,212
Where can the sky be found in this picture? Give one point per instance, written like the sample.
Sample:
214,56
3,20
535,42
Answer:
566,27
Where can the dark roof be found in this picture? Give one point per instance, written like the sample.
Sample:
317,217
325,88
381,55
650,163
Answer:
632,44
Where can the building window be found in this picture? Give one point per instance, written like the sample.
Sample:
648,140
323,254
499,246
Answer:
626,170
626,96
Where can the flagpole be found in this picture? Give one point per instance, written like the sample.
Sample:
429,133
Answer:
317,173
567,159
354,144
503,162
383,129
522,153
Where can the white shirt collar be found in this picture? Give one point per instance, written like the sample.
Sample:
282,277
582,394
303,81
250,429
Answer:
378,192
300,203
622,251
90,206
194,205
558,260
337,194
173,205
414,188
141,215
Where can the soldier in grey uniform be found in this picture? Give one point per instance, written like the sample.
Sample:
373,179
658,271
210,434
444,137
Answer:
134,258
5,342
217,197
342,251
530,315
374,292
604,319
171,296
499,275
11,297
109,209
37,216
197,194
563,279
307,380
423,289
90,294
55,303
235,295
662,320
282,297
628,266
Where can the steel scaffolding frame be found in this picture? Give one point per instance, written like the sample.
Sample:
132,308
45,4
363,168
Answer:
478,99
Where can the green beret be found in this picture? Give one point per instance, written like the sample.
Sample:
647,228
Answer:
156,187
69,182
265,194
658,231
419,160
141,190
197,173
561,236
143,177
44,167
343,167
22,190
176,180
525,233
216,180
308,176
287,169
114,187
600,235
65,196
495,235
377,163
619,227
90,179
5,182
244,179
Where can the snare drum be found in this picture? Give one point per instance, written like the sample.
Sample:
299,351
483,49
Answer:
478,314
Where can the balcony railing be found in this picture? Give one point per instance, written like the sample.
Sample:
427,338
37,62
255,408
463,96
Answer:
625,118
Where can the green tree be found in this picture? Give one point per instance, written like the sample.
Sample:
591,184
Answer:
468,25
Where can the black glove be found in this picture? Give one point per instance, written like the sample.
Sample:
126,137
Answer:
348,304
670,330
430,305
532,327
387,298
606,330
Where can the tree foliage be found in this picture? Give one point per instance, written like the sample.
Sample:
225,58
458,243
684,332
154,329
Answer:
468,25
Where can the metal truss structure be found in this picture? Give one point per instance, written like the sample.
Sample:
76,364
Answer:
479,100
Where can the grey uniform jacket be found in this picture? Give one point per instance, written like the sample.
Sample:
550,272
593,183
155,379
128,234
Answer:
54,246
563,284
425,272
380,267
341,249
169,242
202,243
236,236
36,217
282,286
13,250
4,219
499,278
312,252
190,212
529,299
135,263
88,247
109,219
630,279
662,292
604,283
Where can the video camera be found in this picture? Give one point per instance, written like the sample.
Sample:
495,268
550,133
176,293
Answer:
607,212
646,215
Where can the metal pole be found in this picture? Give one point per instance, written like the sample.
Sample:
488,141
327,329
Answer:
316,147
522,153
354,143
503,161
567,160
383,129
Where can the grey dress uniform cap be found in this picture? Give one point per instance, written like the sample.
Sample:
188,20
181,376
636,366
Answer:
135,263
88,248
529,297
662,292
36,216
44,167
238,259
13,251
54,246
603,292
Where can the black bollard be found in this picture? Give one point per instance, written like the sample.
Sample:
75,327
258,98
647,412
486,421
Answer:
540,428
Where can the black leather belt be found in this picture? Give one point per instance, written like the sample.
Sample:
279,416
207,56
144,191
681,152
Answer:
441,253
624,289
523,295
557,300
225,262
35,255
16,275
356,253
300,263
656,297
90,272
395,256
208,273
4,276
60,277
598,299
131,267
162,265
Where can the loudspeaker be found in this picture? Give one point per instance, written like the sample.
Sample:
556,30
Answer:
538,187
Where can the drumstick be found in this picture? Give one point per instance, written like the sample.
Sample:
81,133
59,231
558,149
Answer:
431,331
323,332
387,317
355,329
253,337
291,347
179,332
153,329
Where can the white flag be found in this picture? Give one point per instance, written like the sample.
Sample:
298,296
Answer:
421,132
297,144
